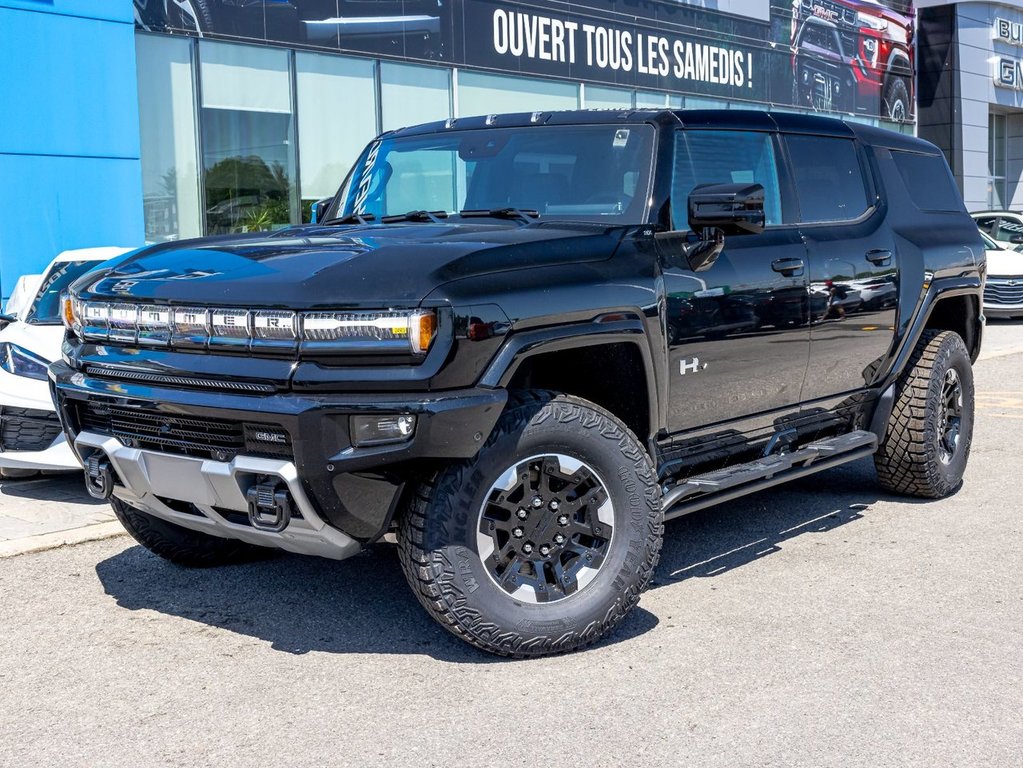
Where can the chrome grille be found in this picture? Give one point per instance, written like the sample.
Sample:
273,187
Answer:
1007,291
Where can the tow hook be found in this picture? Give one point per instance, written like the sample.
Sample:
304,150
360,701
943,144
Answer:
270,506
99,477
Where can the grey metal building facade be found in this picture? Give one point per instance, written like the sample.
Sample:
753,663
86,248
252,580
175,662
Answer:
970,95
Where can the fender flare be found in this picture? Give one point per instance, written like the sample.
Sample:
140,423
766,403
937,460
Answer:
938,289
527,344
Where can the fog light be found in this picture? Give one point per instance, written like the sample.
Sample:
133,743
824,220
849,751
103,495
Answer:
382,430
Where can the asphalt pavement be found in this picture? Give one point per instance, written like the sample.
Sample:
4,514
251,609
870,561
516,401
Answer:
823,623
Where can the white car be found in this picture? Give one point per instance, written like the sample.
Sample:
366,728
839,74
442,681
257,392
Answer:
1003,290
1004,226
31,333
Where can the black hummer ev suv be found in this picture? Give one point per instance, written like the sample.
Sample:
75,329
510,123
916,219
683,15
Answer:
522,342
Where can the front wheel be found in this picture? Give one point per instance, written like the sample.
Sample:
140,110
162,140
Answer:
544,541
896,100
183,546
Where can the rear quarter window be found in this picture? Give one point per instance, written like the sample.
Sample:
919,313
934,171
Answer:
929,181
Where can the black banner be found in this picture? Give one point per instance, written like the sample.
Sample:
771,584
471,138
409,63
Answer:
853,56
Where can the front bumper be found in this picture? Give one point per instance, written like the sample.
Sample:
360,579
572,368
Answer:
350,489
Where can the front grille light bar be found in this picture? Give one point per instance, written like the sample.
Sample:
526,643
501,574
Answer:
371,332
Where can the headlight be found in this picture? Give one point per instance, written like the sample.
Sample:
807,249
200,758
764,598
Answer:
368,332
873,22
21,362
71,313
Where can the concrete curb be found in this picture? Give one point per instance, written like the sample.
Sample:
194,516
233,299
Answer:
45,541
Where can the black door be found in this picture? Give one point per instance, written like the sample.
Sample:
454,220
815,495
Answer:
738,333
853,265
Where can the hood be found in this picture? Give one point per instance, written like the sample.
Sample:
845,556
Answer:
1004,263
360,266
43,340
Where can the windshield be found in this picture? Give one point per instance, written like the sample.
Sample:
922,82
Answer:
45,308
590,173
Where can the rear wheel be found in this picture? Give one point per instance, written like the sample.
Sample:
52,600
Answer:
543,542
183,546
927,442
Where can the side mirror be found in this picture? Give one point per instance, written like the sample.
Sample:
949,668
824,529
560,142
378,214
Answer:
1016,239
320,209
735,209
6,320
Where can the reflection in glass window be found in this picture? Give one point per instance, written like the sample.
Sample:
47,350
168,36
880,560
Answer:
170,176
480,94
651,100
591,173
725,157
828,178
412,94
248,138
598,97
336,119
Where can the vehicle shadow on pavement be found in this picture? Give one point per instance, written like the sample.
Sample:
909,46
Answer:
67,487
302,604
363,605
716,540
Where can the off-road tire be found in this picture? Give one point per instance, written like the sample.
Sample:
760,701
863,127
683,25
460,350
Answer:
909,459
182,546
896,100
438,545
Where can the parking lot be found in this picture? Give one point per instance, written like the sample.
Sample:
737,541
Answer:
823,623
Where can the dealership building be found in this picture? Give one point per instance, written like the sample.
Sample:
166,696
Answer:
133,121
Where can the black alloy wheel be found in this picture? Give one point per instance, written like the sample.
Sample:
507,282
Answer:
545,528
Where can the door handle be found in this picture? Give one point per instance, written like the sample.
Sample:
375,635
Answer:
788,267
880,257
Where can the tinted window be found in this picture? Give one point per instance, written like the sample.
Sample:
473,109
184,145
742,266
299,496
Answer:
45,309
987,224
928,181
1009,231
828,178
725,157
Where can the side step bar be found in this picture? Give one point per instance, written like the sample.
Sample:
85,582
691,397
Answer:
702,491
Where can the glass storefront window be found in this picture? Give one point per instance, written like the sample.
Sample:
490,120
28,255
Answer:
248,143
996,154
597,97
336,119
480,94
411,94
170,175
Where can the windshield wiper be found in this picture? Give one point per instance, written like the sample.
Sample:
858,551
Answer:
527,215
351,218
431,216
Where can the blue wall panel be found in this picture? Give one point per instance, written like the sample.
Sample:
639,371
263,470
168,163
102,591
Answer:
72,202
111,10
72,85
70,175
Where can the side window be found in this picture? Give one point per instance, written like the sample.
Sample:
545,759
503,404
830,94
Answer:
828,178
725,157
1009,231
929,181
987,224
